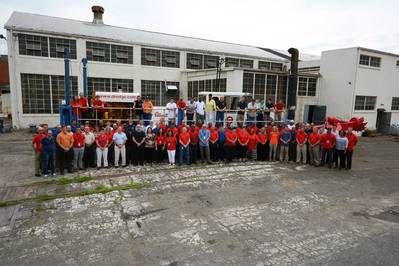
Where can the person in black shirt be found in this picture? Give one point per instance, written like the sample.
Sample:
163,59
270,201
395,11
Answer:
242,105
220,110
269,108
138,139
138,108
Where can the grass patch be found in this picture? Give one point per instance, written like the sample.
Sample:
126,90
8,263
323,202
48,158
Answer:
65,180
100,189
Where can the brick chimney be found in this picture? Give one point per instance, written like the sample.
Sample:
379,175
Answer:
98,12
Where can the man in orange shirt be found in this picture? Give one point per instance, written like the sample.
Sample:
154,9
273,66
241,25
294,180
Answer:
230,143
147,111
65,152
273,141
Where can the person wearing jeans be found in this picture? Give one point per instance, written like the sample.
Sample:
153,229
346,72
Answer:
119,140
220,110
48,150
78,149
204,136
102,149
341,144
327,144
184,141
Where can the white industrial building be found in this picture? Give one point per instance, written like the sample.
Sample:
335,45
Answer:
131,60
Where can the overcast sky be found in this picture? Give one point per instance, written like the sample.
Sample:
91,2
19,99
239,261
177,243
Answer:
310,25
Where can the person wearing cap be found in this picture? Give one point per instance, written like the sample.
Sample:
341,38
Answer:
78,149
37,148
352,141
327,144
251,112
147,111
210,109
89,154
181,107
65,152
301,148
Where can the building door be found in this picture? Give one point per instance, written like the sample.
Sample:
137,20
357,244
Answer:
383,123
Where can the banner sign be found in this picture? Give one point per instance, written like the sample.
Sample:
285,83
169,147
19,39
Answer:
117,97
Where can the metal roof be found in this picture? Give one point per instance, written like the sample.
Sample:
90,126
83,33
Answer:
61,26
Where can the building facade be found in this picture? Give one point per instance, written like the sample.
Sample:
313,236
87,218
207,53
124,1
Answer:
130,60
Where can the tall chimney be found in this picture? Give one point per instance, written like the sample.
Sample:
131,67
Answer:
292,83
98,12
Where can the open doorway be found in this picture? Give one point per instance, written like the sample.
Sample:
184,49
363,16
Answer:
383,123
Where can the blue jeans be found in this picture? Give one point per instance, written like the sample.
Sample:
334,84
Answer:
184,154
219,118
48,158
180,116
147,118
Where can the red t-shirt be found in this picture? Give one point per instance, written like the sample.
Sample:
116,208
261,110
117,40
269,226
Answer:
75,107
252,127
214,136
110,135
262,138
174,130
181,104
160,140
301,137
193,135
253,141
99,104
327,141
37,141
170,143
102,140
352,140
242,136
279,106
184,138
164,127
180,128
313,138
84,103
230,135
78,140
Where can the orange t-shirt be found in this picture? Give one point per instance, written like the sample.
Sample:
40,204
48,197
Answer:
274,137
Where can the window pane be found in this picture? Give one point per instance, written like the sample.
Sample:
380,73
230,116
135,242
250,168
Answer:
312,86
151,89
150,57
124,85
99,84
302,83
210,61
245,63
364,60
170,59
395,103
194,61
271,87
260,86
360,102
121,54
248,83
232,62
97,52
32,45
370,102
276,66
58,90
35,94
375,61
58,45
282,88
264,65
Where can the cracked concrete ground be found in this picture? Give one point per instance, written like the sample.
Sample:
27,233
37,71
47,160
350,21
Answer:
240,214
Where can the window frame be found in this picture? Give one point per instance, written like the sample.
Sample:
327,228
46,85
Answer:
364,106
395,104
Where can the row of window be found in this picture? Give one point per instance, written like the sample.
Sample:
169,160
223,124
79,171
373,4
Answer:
265,86
109,85
205,85
156,90
42,94
365,103
367,60
103,52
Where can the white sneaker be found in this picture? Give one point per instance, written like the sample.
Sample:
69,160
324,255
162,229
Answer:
54,174
45,175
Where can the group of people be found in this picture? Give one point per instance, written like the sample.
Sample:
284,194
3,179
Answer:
76,147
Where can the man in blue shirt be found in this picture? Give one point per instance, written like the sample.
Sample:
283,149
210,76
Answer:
119,140
222,139
203,136
285,138
292,145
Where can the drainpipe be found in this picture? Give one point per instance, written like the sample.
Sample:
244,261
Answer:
85,89
66,77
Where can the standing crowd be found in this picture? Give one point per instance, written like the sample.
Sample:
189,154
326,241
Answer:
209,138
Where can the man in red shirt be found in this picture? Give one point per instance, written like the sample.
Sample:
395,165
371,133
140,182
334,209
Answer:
352,141
314,147
102,141
84,104
243,139
98,106
279,110
37,147
301,139
213,143
184,146
327,145
78,149
181,107
193,132
252,144
230,143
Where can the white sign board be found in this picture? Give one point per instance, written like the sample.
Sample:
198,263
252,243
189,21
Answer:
117,97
